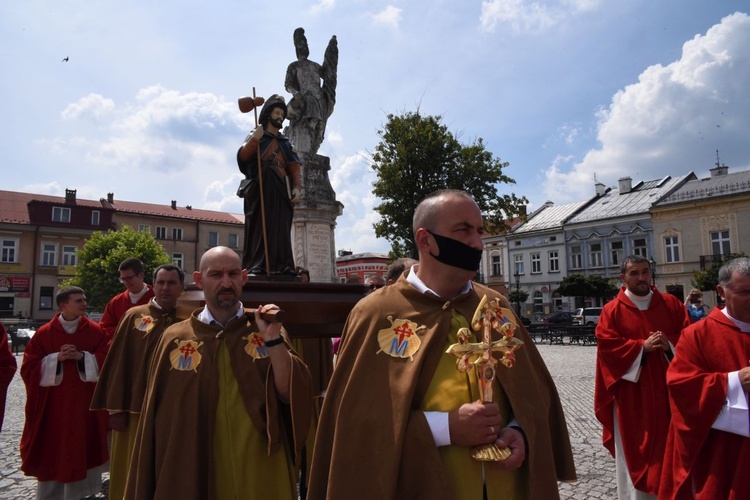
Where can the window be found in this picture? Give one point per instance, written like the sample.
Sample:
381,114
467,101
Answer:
576,258
161,232
672,249
536,263
615,253
45,297
518,259
553,258
95,217
178,260
538,302
60,214
497,268
213,239
639,247
233,240
720,242
9,250
144,228
595,255
69,257
177,233
49,254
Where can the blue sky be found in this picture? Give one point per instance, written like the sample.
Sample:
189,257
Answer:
563,90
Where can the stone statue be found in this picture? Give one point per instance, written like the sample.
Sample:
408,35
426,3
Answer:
311,103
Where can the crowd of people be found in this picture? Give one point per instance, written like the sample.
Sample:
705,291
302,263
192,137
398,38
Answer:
222,404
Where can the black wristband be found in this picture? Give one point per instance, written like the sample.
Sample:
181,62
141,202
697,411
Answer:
276,341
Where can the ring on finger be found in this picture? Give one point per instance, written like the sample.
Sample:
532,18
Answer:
492,430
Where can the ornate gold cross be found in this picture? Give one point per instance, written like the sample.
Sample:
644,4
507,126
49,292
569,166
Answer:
489,316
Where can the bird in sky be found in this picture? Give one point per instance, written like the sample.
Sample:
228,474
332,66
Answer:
65,59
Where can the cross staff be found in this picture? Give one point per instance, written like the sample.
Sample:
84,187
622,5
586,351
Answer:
487,317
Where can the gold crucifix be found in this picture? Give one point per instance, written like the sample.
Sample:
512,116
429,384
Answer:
489,316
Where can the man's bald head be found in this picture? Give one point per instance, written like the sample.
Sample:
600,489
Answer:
216,253
427,213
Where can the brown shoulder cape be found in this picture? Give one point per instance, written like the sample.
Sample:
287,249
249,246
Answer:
374,443
122,380
173,455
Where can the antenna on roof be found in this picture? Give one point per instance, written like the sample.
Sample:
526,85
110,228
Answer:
718,163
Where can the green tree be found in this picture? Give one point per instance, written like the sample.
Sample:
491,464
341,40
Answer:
418,155
101,255
518,297
578,285
707,280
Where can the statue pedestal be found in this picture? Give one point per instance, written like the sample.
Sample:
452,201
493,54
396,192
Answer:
314,221
313,310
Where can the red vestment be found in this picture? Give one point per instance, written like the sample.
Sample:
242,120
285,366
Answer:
116,308
62,438
716,463
643,406
7,370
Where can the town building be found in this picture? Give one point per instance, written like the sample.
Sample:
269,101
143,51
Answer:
361,264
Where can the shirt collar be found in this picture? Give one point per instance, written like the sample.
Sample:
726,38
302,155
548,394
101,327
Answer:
417,283
744,327
206,317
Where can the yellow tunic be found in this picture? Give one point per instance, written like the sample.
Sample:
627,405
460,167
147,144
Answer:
238,442
449,390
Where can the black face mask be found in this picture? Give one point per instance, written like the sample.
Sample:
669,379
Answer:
456,254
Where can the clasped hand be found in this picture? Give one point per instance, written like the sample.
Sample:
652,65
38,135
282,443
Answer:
69,351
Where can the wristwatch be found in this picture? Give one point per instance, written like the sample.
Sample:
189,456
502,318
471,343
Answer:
276,341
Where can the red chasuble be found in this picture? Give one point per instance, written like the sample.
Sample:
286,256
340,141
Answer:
116,308
642,407
7,370
716,463
62,438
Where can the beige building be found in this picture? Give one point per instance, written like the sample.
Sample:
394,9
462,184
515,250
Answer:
40,236
699,223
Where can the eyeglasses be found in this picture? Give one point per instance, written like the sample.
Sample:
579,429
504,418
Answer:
374,286
126,279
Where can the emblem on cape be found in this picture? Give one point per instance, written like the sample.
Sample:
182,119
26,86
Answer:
400,340
145,324
255,346
488,317
185,356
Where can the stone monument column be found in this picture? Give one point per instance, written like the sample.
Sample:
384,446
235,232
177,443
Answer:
315,219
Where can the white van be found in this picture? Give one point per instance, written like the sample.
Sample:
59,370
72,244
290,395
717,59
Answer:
587,316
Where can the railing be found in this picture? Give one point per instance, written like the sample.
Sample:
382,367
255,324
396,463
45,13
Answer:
708,260
557,334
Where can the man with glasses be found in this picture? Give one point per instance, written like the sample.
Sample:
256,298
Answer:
374,282
136,293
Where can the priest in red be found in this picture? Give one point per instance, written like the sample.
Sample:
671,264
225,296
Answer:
64,443
636,335
136,293
708,448
7,370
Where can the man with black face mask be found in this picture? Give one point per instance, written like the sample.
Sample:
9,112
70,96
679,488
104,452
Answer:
397,404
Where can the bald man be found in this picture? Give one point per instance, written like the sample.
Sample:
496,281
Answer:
228,403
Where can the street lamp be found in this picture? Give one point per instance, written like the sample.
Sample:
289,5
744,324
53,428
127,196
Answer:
652,261
517,275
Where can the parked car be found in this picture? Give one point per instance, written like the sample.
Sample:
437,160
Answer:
559,318
587,316
526,321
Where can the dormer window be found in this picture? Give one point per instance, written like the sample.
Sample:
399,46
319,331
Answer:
60,214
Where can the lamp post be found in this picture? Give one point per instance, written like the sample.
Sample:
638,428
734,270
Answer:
652,262
517,275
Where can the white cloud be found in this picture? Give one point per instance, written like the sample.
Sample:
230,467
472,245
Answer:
390,16
95,106
523,16
321,6
674,115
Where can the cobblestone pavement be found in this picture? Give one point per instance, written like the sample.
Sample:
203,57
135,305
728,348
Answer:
572,367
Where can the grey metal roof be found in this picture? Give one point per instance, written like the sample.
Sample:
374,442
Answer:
636,201
712,187
552,216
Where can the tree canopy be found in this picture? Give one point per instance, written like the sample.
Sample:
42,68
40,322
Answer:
418,155
594,285
707,280
101,255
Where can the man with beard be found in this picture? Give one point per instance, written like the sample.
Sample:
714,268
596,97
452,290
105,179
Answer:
136,293
636,335
227,405
279,188
708,449
122,381
397,425
64,444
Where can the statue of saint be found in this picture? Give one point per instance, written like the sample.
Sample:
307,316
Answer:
270,196
311,103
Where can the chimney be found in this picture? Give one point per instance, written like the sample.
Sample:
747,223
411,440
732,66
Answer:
110,197
174,204
600,189
70,196
522,211
719,170
625,184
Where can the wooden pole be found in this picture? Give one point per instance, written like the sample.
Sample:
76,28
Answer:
262,201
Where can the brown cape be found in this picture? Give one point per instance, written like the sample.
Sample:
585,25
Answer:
374,443
173,455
